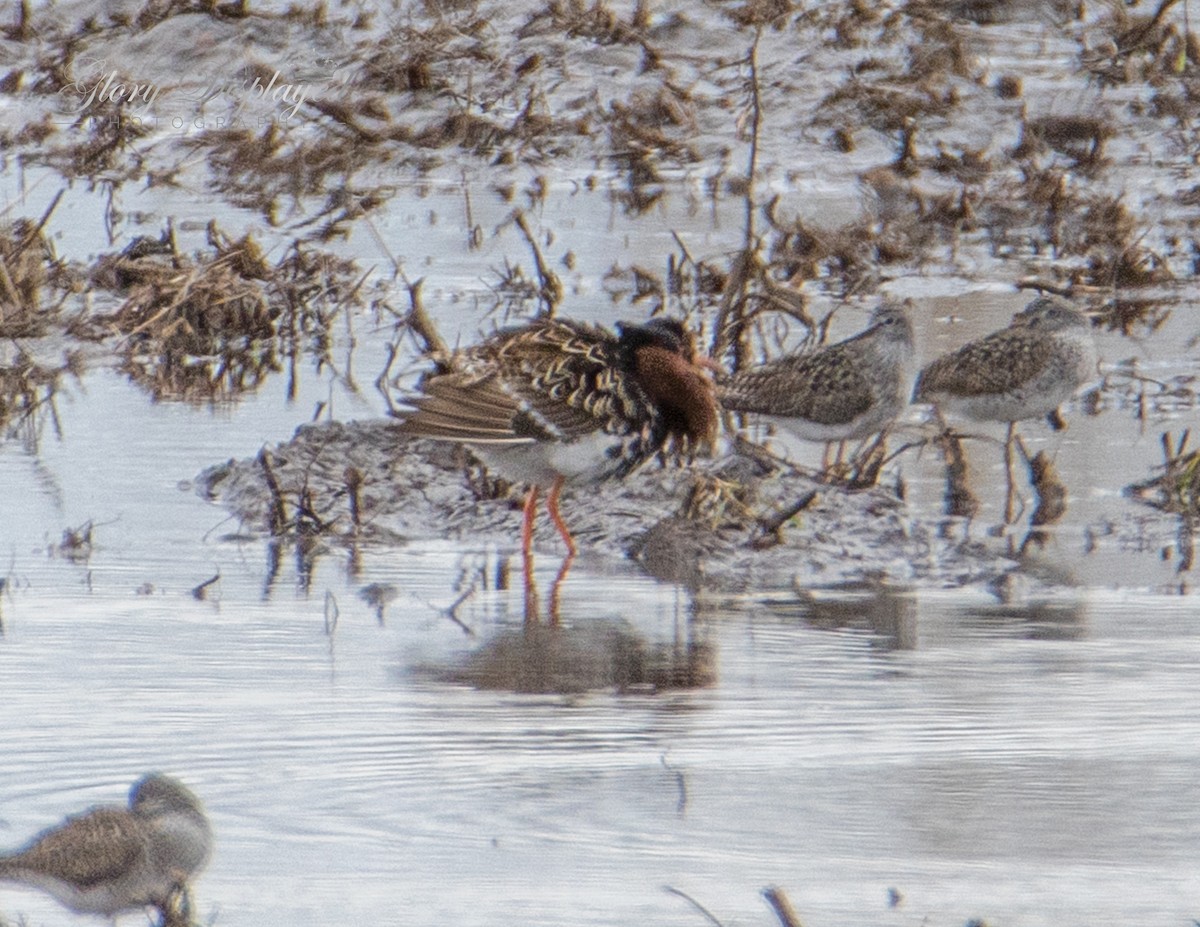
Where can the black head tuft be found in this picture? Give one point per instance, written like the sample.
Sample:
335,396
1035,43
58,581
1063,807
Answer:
665,333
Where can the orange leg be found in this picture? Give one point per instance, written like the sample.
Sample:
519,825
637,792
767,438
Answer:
555,589
552,507
532,608
530,513
527,519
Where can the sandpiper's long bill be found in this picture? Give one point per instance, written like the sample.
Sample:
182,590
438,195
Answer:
111,859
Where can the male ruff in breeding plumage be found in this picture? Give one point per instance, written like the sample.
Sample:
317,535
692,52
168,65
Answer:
557,401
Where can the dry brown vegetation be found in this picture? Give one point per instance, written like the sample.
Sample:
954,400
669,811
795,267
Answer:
641,97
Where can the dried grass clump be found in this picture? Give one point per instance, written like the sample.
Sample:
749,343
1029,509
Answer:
595,22
257,171
433,56
1176,488
190,306
887,108
194,329
1138,47
1079,137
215,326
25,260
1132,267
107,134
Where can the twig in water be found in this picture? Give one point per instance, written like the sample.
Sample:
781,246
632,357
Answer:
730,328
422,326
551,289
200,592
771,526
680,783
353,479
712,919
277,517
331,613
755,123
41,224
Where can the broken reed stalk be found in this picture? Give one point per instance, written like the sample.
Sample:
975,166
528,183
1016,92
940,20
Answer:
200,592
1051,494
771,526
731,326
1010,480
755,121
8,290
353,478
41,223
422,326
957,501
680,784
1134,37
20,31
550,289
867,463
708,915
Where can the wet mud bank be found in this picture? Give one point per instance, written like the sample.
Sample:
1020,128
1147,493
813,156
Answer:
737,523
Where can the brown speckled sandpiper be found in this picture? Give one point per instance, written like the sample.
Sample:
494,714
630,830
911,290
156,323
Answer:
111,859
848,390
1024,371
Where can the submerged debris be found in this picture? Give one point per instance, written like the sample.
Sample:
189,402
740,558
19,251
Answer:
28,388
1176,488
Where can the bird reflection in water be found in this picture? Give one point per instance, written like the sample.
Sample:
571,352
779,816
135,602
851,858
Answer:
890,615
590,656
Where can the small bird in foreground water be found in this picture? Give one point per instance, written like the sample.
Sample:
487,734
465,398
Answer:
848,390
111,858
558,401
1024,371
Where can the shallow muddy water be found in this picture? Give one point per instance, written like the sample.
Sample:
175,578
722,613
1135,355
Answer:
1027,761
381,737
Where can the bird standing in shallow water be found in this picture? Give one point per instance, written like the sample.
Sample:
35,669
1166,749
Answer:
111,859
1024,371
849,390
557,401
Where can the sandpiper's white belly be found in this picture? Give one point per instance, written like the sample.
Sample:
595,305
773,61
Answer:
585,460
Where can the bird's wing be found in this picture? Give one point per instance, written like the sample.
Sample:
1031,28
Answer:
827,387
553,380
1000,363
86,849
460,407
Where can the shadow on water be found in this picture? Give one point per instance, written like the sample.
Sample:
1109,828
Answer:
566,659
889,616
